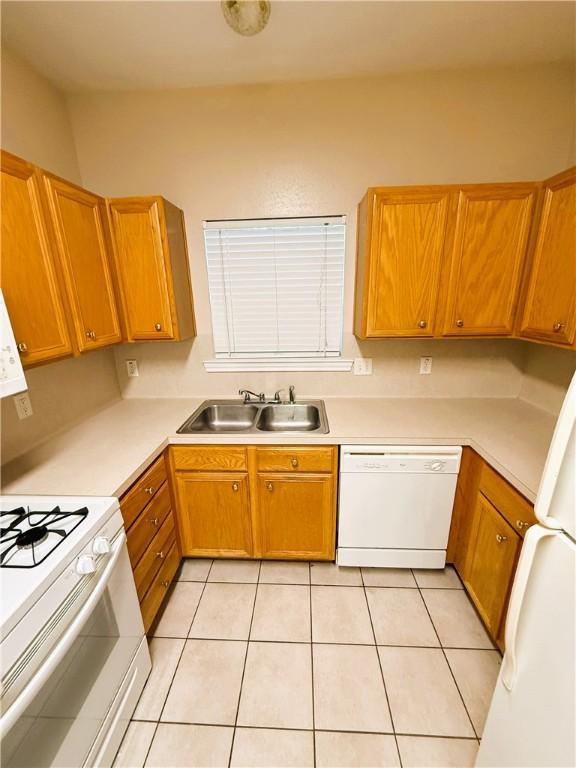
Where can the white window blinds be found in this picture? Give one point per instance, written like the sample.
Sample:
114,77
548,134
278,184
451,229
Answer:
276,286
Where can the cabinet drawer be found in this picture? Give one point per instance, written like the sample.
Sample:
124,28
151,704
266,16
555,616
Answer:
159,587
295,459
157,551
207,458
147,524
144,489
511,505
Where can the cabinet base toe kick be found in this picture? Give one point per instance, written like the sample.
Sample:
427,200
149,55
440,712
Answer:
391,558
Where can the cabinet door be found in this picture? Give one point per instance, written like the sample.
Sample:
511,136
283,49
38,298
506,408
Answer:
29,278
214,514
407,235
550,305
494,549
82,237
487,258
296,516
143,266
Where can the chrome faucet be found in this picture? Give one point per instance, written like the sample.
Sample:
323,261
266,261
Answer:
247,396
291,395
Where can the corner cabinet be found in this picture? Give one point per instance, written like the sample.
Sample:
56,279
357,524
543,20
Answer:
82,238
401,236
30,280
246,501
549,310
152,265
485,261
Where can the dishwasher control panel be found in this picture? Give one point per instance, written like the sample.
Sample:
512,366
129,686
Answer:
400,459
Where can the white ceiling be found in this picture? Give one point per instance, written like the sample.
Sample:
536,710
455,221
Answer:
147,45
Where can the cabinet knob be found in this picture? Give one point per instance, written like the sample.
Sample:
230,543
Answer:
521,524
501,539
154,521
460,323
235,486
150,490
557,327
157,326
294,462
91,335
269,487
22,347
160,555
165,584
422,324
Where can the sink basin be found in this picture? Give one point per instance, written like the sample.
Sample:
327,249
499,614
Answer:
230,416
222,418
289,418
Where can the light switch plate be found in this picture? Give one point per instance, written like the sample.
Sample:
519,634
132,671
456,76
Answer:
362,366
23,405
132,368
425,365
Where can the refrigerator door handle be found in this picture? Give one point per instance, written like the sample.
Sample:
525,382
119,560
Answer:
509,664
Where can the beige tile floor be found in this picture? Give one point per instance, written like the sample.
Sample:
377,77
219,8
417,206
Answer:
294,664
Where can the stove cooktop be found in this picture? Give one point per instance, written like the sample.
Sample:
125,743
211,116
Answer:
28,537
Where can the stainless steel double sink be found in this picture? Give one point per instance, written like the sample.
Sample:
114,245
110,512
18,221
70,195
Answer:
231,416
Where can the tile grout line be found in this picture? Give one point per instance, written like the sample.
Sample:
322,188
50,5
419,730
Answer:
380,667
176,667
244,665
446,657
312,667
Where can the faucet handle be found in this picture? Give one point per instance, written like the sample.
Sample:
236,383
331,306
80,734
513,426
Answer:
291,393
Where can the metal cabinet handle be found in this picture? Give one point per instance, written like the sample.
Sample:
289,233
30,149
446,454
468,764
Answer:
501,539
269,487
521,524
235,486
22,347
422,324
154,521
460,323
157,327
150,490
91,335
294,462
160,555
557,327
165,584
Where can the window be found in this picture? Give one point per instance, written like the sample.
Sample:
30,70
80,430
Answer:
276,287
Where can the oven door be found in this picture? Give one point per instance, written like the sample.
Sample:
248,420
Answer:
60,713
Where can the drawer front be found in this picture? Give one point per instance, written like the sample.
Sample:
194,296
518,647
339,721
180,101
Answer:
144,489
295,459
206,458
511,505
147,525
151,561
159,587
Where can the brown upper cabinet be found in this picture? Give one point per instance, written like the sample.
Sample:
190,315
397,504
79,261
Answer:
401,234
152,266
83,243
549,309
486,257
30,281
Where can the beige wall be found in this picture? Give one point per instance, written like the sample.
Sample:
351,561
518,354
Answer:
546,375
35,125
313,148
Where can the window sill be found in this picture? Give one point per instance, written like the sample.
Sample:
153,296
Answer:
226,365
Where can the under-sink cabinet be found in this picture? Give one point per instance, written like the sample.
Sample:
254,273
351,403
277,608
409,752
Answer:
152,539
256,502
489,521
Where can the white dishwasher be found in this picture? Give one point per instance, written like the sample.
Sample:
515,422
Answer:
396,504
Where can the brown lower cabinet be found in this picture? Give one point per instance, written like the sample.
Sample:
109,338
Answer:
488,524
151,537
273,502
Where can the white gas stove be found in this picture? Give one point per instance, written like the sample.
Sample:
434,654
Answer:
74,657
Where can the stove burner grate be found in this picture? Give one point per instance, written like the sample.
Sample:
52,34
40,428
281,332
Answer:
27,537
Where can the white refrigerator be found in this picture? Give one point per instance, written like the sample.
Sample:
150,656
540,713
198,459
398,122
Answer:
532,717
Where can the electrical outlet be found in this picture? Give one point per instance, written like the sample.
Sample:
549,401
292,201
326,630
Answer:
425,365
23,405
362,366
132,367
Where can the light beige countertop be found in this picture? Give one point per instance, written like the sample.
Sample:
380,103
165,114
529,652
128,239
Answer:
103,455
